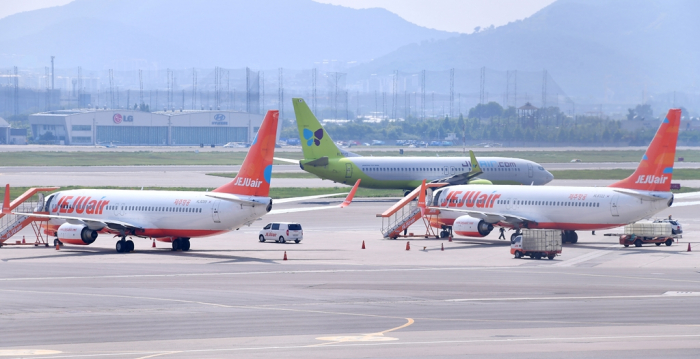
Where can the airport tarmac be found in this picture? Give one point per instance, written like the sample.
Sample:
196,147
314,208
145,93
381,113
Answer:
233,296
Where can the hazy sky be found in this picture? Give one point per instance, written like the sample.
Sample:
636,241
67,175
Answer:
450,15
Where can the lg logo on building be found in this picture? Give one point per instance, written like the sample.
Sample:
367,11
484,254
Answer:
118,118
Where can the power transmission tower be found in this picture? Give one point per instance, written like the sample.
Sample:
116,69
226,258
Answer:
16,83
452,92
141,88
481,84
48,87
194,88
313,89
394,97
111,89
280,92
544,94
422,94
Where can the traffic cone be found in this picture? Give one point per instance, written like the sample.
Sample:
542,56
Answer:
363,244
689,248
57,247
154,244
442,247
450,239
285,256
23,242
408,246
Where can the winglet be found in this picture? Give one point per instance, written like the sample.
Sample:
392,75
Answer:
6,202
350,196
421,196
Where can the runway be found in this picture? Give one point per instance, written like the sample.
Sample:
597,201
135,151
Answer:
232,296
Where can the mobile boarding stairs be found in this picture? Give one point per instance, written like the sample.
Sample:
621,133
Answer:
31,201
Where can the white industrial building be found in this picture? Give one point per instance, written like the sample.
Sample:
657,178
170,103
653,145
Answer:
138,128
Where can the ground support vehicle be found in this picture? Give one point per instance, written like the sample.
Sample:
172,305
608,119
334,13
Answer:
282,232
641,233
536,243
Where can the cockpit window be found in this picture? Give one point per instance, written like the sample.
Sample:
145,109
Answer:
540,168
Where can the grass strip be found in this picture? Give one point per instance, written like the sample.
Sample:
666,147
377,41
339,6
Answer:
274,174
149,158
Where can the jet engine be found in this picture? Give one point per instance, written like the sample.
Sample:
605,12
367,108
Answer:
76,234
469,226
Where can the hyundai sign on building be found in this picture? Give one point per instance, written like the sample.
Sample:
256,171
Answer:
137,128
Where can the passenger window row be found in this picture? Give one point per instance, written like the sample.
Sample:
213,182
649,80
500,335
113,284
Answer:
155,209
551,203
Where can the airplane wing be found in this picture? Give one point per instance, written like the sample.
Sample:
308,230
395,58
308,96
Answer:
89,222
463,178
345,203
296,162
234,198
489,217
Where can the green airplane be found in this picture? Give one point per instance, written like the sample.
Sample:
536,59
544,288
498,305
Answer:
324,159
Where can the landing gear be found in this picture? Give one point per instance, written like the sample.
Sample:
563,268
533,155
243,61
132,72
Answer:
124,246
181,244
57,242
569,237
444,234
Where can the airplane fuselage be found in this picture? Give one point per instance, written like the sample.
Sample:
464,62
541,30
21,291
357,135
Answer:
409,172
565,208
160,214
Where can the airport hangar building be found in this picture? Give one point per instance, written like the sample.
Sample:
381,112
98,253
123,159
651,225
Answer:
138,128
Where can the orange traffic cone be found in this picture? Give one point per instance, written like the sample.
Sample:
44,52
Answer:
285,256
408,246
23,242
154,244
450,239
689,248
442,247
57,247
363,244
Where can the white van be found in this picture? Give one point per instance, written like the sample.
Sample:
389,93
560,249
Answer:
281,232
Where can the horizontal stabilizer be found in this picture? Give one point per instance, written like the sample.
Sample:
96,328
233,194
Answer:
288,160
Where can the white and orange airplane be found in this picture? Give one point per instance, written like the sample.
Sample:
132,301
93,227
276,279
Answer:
473,211
78,216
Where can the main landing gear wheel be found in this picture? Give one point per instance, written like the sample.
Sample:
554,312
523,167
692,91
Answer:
121,246
444,234
57,242
176,244
261,238
185,244
129,246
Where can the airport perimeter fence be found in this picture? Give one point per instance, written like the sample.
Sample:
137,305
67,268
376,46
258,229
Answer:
332,95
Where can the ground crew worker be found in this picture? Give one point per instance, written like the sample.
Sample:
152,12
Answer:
503,235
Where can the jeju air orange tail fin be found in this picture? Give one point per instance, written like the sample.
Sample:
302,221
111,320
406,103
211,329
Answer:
254,177
655,171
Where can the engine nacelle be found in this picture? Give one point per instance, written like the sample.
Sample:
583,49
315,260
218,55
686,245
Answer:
76,234
469,226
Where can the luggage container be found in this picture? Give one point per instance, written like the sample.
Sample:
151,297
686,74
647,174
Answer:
537,243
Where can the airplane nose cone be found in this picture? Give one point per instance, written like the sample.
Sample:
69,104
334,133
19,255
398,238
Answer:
549,177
